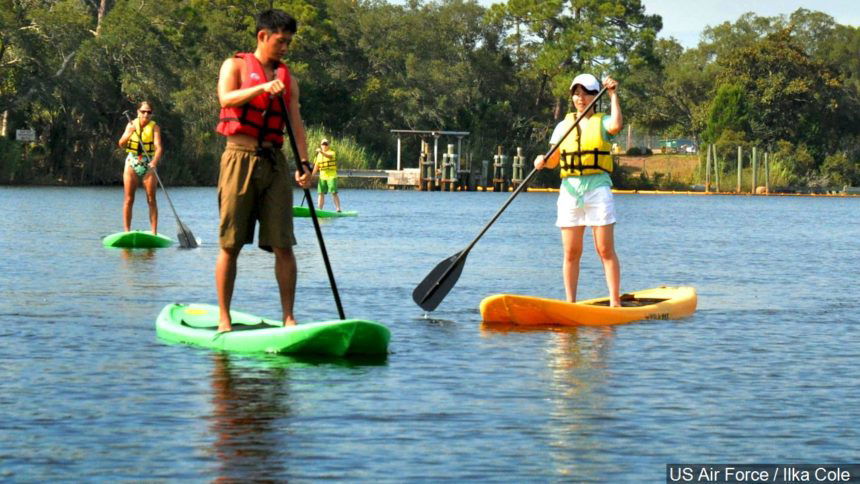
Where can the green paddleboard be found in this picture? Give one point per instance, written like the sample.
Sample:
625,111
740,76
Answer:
137,239
306,212
197,324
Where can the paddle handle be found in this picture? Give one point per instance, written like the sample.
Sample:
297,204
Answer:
299,164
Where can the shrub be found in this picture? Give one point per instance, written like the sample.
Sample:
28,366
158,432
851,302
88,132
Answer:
350,153
11,163
837,170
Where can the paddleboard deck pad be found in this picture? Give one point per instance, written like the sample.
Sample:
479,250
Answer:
660,303
137,239
197,324
306,212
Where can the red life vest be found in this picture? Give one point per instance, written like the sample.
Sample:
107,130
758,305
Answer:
260,118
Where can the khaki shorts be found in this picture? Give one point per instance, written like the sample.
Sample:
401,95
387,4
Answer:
254,187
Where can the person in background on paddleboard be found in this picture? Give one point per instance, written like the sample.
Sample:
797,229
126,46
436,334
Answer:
142,142
324,164
585,196
254,182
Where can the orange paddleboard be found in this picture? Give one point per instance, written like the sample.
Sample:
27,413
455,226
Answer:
659,303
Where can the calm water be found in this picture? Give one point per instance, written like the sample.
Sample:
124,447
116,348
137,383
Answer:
765,371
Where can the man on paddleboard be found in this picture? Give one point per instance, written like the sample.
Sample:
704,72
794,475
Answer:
255,182
585,197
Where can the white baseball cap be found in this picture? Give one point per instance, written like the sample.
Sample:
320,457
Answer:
589,82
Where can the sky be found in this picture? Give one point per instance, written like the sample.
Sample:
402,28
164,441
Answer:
686,19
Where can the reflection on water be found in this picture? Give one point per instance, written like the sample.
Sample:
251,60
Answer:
577,365
250,412
132,256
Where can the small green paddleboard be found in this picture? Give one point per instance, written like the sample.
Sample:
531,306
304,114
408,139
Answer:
197,324
137,239
306,212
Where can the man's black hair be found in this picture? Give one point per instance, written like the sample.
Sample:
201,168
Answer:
274,20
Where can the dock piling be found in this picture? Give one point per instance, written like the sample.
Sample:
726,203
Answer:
500,183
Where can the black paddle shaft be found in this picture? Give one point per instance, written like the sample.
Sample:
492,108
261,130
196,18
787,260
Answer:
186,238
433,289
304,164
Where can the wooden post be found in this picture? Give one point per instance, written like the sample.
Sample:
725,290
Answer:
449,169
459,153
427,173
398,153
716,169
754,172
498,170
708,170
436,157
767,172
517,168
740,167
629,136
699,165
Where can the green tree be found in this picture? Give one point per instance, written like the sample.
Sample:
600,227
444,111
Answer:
672,95
556,40
728,111
792,96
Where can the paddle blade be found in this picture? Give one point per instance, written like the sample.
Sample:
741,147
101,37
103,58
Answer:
186,238
433,289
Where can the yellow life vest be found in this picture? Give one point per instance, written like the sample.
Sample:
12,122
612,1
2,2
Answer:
135,146
584,151
328,166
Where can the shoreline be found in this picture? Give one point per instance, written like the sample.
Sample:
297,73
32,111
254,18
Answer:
616,191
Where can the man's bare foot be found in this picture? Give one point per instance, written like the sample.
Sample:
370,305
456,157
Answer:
224,327
289,322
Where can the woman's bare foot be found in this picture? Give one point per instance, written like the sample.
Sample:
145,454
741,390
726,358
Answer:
289,322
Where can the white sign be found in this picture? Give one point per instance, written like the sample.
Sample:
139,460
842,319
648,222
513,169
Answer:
25,134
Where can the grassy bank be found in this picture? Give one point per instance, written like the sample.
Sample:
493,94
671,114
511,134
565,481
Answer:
350,154
657,172
681,172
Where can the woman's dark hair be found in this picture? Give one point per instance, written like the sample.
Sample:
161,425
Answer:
274,20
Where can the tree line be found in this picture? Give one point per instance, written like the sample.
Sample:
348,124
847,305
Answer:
69,68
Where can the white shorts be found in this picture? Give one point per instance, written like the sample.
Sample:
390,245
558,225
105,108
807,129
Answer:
598,208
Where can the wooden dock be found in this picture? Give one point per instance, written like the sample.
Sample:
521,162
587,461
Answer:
406,178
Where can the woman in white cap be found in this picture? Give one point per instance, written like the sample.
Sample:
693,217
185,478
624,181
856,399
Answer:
585,197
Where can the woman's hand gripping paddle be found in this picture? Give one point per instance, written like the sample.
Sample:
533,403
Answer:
433,289
305,165
186,238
